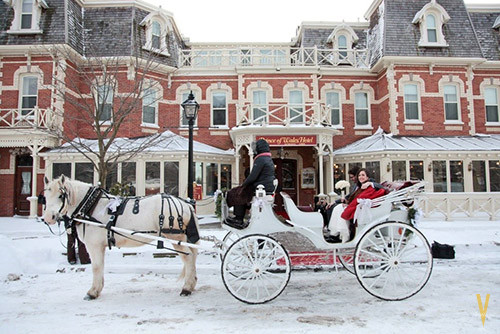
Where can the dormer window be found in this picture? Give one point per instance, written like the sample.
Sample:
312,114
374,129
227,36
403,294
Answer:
157,27
431,19
27,14
342,38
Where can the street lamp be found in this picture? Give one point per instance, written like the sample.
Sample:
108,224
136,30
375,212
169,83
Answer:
191,108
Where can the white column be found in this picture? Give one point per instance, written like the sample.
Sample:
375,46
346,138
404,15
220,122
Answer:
33,198
320,162
140,176
331,174
235,177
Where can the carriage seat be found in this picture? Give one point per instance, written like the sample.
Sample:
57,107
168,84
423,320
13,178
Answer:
306,219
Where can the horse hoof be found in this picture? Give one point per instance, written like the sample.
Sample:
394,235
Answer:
89,297
185,292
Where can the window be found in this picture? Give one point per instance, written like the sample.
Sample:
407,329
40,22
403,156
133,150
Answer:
494,175
149,106
373,168
184,120
59,169
411,102
362,113
198,172
431,29
431,19
27,14
416,170
451,103
399,170
259,106
152,177
439,178
478,176
84,171
129,177
212,178
457,176
29,95
491,104
342,45
219,108
338,175
333,100
104,103
171,172
296,107
112,176
225,177
156,35
156,25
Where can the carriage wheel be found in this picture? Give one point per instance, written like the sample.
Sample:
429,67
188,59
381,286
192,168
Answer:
393,261
229,239
256,269
347,261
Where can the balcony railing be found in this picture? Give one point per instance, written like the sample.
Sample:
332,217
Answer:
273,57
35,118
284,114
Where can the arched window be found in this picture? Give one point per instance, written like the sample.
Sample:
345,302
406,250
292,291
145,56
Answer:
27,14
342,45
156,35
431,29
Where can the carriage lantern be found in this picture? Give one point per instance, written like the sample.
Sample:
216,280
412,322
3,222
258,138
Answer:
190,107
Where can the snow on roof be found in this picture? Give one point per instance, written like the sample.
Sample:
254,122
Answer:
166,142
381,141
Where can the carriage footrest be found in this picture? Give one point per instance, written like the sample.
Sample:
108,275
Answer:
235,223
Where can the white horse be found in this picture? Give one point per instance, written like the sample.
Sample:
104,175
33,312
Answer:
64,195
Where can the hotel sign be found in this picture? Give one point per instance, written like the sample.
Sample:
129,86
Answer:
289,140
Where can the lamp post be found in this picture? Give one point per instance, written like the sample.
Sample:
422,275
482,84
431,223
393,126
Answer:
190,107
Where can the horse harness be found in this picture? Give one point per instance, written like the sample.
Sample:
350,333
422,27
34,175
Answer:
87,205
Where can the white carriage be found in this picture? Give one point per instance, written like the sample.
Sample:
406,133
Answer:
391,259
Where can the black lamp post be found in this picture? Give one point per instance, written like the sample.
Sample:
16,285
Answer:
191,108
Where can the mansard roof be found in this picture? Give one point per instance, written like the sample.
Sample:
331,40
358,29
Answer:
487,26
382,142
402,36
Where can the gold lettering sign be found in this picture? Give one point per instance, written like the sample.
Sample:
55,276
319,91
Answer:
289,140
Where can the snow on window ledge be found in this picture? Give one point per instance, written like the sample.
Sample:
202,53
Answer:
158,51
25,32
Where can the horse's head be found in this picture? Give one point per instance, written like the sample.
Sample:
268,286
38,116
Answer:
59,196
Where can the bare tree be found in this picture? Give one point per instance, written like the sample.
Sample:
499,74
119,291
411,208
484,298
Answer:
102,99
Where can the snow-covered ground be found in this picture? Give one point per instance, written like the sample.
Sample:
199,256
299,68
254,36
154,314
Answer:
41,293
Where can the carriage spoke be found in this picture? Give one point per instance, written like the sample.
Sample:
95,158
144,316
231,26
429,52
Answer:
374,254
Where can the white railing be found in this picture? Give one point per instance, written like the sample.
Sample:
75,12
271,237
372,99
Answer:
35,118
273,57
461,205
283,114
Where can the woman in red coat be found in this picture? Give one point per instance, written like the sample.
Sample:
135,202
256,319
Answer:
366,189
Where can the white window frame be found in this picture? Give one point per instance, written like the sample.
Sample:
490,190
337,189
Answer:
109,100
262,107
36,14
440,17
343,30
418,102
368,110
22,95
339,95
457,103
163,22
497,105
154,105
213,109
299,106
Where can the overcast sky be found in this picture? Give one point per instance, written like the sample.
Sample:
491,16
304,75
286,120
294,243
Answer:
260,20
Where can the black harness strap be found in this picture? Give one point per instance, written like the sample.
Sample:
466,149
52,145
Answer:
112,221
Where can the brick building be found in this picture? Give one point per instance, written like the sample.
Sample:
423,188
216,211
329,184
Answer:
427,73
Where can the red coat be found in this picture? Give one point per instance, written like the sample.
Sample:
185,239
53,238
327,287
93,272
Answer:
369,192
